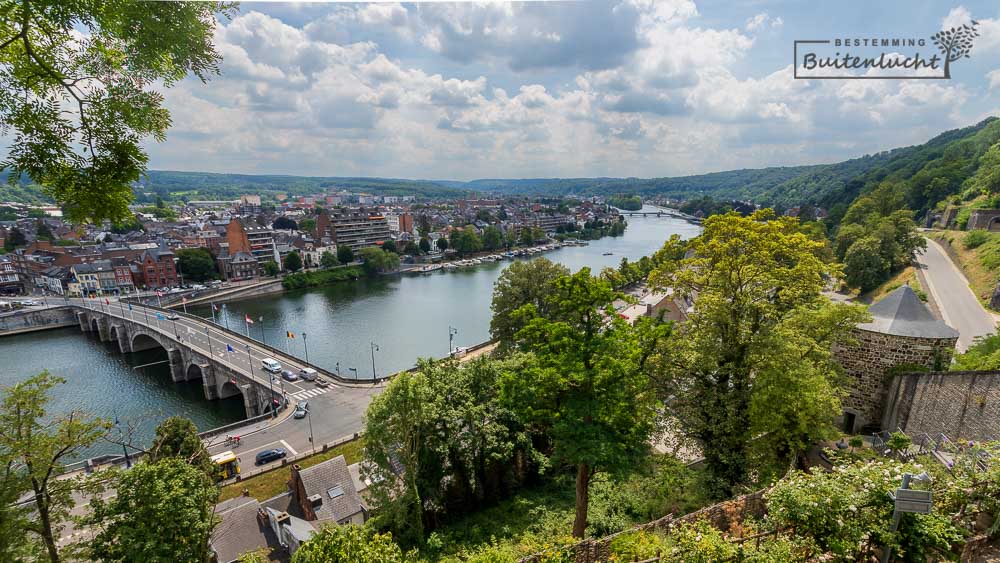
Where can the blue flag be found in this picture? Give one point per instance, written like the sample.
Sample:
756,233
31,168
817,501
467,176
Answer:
129,306
160,317
229,348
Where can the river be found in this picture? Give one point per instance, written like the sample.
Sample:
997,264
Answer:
406,317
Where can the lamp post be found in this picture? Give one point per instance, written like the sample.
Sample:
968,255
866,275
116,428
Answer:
208,335
225,317
121,436
452,331
306,345
355,370
374,348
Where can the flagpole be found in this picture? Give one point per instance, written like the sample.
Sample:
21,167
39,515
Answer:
184,301
213,314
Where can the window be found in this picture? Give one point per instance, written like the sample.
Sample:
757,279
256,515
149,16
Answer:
335,492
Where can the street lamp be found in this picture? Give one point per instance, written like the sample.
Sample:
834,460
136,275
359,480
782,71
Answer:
304,343
311,441
355,370
452,331
121,436
374,348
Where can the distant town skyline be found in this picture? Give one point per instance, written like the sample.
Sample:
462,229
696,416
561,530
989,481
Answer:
560,89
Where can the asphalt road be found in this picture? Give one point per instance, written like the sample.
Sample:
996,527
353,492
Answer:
959,307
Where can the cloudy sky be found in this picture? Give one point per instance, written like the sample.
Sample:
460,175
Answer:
544,89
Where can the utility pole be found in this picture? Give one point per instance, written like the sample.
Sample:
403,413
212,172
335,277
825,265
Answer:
452,331
374,348
304,343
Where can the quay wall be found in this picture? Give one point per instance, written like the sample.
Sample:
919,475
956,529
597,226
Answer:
34,320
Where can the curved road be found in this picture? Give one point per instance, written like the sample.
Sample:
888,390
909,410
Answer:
959,306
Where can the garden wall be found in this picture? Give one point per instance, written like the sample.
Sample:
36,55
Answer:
959,404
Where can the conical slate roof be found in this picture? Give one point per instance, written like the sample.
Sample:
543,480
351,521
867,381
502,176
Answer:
901,313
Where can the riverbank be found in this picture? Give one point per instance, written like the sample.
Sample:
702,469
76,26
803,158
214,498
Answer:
316,278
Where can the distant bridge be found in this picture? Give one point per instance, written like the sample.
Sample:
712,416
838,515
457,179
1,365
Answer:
227,363
665,212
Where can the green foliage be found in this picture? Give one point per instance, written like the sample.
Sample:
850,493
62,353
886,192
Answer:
293,261
465,240
984,354
350,544
864,265
521,283
754,358
161,213
35,444
411,249
303,280
197,264
425,245
975,239
626,202
442,244
307,225
284,223
163,511
344,254
15,238
271,268
87,152
376,260
588,391
492,238
898,441
963,216
177,437
328,260
459,446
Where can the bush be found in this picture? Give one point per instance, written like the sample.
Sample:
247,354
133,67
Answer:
312,279
975,239
962,218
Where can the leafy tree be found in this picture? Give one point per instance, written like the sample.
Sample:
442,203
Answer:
163,511
987,177
284,223
492,238
15,238
465,240
177,437
390,246
197,264
423,225
425,245
350,544
442,244
15,518
411,249
344,254
36,444
376,261
864,265
42,231
271,268
307,225
588,391
88,151
328,260
459,447
522,283
293,262
758,281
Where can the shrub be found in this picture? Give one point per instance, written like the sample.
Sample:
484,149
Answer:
962,218
322,277
975,239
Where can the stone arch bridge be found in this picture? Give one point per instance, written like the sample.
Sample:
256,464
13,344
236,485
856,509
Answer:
224,371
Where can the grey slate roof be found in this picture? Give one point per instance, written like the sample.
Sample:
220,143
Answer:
321,478
901,313
240,530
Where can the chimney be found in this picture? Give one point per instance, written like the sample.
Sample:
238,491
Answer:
316,501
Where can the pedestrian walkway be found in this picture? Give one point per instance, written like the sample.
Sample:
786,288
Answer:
307,393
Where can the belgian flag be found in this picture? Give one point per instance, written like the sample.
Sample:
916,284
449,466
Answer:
290,334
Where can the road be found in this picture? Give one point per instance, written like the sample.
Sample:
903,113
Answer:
959,306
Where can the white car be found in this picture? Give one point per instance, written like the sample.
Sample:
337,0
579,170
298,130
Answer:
271,365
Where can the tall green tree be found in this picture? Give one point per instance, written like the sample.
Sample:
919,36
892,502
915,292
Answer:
744,347
38,444
425,245
522,283
293,262
442,244
377,261
177,437
344,254
459,448
350,544
15,238
465,240
197,264
78,91
492,238
162,511
588,391
271,268
328,260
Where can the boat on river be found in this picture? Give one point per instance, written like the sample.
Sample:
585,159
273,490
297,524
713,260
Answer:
430,268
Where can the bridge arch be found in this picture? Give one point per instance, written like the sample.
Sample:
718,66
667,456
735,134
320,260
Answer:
194,373
114,333
143,341
93,324
229,389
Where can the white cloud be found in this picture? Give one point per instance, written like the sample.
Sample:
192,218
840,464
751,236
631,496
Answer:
993,77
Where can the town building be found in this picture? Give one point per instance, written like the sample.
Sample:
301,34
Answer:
157,268
355,228
258,241
325,492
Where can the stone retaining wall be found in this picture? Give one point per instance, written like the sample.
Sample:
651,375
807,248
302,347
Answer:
959,404
30,321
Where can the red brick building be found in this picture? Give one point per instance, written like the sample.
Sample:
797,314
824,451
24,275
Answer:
158,269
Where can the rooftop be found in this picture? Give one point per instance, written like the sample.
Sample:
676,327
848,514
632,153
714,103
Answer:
902,313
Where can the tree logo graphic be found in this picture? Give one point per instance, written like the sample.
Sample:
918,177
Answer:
955,43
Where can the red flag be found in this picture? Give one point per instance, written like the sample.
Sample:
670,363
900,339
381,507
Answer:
184,299
249,320
215,308
106,301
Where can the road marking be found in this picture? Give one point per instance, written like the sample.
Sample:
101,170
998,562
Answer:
291,449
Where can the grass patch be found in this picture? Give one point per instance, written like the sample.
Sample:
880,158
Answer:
541,517
906,276
981,265
275,482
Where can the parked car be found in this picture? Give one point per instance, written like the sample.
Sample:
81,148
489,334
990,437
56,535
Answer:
289,375
301,409
267,456
308,374
173,317
271,365
320,382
